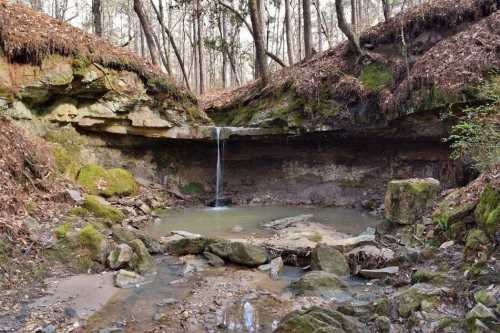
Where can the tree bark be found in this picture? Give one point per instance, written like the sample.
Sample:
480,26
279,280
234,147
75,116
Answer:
318,15
261,60
288,32
97,17
200,47
250,29
354,24
148,31
306,4
37,5
387,9
346,29
174,45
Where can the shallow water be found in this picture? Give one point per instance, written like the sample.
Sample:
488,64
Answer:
241,221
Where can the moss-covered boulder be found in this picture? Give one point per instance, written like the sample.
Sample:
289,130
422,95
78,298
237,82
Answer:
406,201
120,256
318,283
100,208
453,208
413,298
328,259
113,182
316,320
487,212
247,254
141,260
476,240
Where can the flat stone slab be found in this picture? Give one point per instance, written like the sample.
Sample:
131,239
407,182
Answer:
379,273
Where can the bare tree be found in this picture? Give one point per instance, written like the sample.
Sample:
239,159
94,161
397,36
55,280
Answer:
387,9
200,46
288,32
97,17
258,41
306,4
36,4
148,31
346,28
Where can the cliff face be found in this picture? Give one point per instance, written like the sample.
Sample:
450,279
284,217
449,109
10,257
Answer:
449,48
52,71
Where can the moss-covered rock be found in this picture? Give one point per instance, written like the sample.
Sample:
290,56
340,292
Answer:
141,261
90,238
63,230
192,188
319,320
488,210
406,201
99,208
476,240
412,299
329,259
318,283
453,209
66,164
113,182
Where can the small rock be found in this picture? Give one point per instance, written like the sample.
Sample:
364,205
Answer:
49,329
145,208
74,195
287,222
447,244
379,273
120,256
276,266
383,324
167,301
128,279
486,297
318,283
213,260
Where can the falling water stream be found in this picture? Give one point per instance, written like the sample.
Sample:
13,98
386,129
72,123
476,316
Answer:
220,157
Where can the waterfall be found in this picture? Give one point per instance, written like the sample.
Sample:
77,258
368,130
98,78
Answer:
220,156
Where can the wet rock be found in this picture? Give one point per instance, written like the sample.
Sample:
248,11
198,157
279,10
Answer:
247,254
379,273
120,256
213,260
193,264
407,200
318,319
276,267
411,299
328,259
369,257
280,224
318,283
141,261
128,279
181,245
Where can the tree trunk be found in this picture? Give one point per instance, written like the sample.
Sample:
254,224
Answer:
288,32
354,24
172,42
260,52
200,47
37,5
318,14
97,17
148,31
346,29
306,4
387,9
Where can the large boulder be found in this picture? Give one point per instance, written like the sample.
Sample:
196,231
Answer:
239,253
328,259
406,201
319,320
113,182
318,283
141,261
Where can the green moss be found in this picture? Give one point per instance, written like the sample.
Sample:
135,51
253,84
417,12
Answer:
66,163
97,180
476,239
488,210
78,211
376,77
94,205
63,230
432,98
80,64
192,188
89,238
